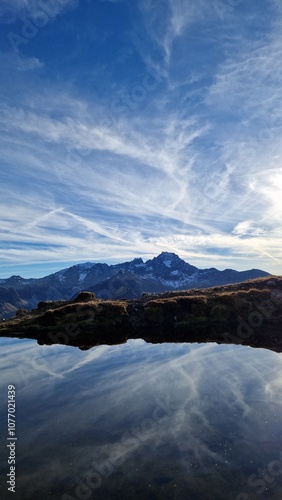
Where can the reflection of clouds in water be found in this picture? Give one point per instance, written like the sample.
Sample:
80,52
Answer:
36,362
141,403
18,362
273,388
195,449
24,357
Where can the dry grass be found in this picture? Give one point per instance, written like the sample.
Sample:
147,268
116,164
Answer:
190,307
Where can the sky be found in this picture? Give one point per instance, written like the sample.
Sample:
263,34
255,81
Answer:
132,127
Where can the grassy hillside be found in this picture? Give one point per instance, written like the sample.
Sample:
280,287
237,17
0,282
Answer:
248,313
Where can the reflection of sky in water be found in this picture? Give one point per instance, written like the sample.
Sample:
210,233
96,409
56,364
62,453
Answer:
144,421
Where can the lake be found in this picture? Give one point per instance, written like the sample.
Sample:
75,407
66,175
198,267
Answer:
145,421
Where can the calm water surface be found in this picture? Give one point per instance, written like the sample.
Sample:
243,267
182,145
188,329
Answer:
164,421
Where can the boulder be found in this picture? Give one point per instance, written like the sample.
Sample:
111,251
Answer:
44,304
85,297
21,312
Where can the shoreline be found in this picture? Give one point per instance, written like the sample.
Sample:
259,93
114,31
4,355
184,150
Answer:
247,313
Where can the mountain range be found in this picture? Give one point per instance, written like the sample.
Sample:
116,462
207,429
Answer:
127,280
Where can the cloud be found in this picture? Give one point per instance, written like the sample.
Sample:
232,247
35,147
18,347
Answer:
163,149
18,62
176,17
248,228
25,64
148,173
110,163
14,10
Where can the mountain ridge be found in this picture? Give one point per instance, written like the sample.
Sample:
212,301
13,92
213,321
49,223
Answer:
247,313
165,272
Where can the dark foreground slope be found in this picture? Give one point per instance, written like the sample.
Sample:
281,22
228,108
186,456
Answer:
248,313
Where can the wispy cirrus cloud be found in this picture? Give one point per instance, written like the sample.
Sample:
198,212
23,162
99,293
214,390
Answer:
168,22
16,9
106,156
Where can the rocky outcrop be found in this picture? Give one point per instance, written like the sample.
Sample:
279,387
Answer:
85,297
21,312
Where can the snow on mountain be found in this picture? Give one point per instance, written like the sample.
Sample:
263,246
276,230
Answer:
82,276
167,263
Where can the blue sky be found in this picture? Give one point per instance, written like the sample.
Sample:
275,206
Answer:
132,127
